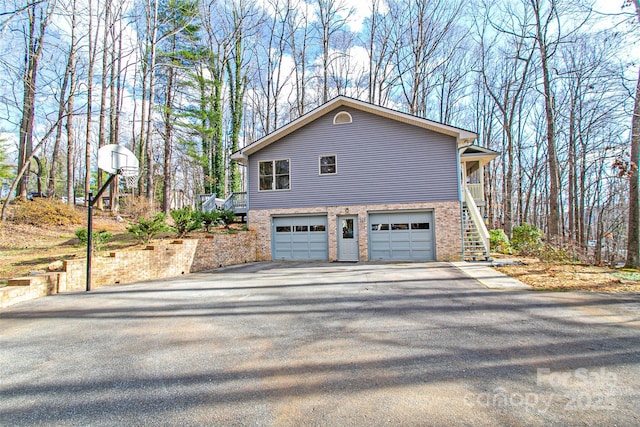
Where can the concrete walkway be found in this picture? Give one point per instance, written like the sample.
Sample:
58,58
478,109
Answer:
489,277
320,344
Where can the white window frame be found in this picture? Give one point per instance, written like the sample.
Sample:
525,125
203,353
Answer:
273,183
336,118
335,156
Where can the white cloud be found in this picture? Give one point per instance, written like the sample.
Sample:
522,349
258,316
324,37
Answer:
361,11
9,142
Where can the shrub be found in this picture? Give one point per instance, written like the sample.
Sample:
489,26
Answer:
499,241
210,219
98,238
526,239
43,211
146,229
186,220
227,217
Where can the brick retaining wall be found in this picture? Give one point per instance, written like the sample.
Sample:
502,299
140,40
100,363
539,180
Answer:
27,288
160,260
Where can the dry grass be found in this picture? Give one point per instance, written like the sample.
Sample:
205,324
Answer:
26,248
571,277
42,211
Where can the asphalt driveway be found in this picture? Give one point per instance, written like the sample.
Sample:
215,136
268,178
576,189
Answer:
321,344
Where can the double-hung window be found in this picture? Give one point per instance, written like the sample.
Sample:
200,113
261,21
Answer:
274,175
328,165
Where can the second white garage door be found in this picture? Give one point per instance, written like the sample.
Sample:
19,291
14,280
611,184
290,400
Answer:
401,236
300,238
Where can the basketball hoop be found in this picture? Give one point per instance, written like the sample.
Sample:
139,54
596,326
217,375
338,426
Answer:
130,176
116,160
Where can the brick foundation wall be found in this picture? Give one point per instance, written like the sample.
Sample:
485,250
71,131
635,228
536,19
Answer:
446,217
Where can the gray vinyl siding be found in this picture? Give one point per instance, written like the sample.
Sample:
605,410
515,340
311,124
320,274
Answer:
379,160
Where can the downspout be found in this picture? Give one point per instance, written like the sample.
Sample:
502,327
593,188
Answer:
247,174
460,197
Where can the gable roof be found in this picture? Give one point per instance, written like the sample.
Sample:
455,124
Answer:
463,137
476,152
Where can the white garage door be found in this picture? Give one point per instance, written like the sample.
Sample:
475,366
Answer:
300,238
401,236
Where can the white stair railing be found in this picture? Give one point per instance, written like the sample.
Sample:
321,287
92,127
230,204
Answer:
476,192
477,220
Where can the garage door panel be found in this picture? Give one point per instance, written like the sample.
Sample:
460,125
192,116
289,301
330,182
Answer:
300,238
317,238
402,254
401,236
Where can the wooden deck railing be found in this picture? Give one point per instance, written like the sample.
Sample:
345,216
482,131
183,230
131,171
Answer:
236,202
476,192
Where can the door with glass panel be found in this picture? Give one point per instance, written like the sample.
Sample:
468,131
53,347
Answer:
348,248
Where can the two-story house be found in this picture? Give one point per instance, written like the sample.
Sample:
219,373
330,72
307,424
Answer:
352,181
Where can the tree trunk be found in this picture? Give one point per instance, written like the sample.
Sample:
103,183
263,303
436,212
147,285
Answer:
150,104
633,238
168,135
116,105
87,148
70,104
55,152
549,105
237,85
103,90
33,51
572,198
142,146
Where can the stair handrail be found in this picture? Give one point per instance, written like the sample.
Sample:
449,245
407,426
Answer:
236,201
477,219
209,204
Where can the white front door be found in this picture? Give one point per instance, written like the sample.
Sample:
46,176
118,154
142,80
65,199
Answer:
348,249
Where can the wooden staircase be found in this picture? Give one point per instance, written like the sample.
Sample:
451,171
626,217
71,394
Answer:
475,236
236,202
473,245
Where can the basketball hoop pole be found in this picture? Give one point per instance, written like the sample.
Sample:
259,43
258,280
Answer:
92,200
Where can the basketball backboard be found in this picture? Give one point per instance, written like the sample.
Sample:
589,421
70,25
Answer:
113,158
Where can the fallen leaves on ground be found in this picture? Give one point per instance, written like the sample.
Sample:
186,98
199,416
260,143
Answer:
572,277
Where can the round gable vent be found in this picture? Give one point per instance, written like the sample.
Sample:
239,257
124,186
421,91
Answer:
342,118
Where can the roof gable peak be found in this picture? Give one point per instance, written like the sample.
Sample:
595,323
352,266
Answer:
463,137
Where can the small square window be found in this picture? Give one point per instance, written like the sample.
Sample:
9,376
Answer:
328,165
